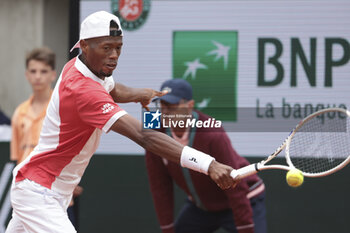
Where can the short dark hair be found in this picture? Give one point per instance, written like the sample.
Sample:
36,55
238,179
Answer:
43,54
114,29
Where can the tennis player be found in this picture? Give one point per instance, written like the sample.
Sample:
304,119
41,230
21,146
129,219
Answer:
83,106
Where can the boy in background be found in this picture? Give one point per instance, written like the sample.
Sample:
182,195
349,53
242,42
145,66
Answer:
29,115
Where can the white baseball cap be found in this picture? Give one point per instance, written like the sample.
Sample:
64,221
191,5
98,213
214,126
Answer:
96,25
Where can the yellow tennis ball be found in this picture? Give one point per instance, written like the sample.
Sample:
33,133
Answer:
294,178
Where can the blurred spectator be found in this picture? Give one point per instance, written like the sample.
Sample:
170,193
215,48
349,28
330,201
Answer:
28,117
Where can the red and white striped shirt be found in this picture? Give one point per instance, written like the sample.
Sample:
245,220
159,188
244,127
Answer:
79,110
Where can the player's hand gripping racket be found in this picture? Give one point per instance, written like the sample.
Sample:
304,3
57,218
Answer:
318,146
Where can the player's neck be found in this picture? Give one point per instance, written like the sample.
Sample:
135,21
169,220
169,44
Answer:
83,60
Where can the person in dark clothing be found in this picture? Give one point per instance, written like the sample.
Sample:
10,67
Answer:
208,208
4,120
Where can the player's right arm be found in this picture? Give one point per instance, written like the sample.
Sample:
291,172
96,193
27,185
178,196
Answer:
124,94
166,147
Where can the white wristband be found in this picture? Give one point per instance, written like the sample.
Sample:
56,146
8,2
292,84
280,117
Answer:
195,160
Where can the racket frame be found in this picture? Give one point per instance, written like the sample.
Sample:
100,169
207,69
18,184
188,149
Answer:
256,167
315,114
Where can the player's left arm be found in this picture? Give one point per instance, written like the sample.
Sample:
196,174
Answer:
123,94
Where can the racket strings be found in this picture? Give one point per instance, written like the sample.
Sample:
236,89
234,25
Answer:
321,144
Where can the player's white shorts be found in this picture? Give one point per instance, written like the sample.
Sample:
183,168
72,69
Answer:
37,209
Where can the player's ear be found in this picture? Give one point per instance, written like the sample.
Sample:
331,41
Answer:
84,46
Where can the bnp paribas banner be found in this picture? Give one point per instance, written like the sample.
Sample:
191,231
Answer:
208,61
257,66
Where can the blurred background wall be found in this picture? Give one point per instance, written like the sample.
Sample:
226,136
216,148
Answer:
25,25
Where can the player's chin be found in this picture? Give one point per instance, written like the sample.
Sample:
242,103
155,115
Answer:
108,70
106,73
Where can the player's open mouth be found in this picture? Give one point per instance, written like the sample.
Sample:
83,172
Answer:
111,66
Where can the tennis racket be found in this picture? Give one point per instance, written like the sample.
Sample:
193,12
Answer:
318,146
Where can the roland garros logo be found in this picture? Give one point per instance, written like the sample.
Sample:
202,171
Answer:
132,13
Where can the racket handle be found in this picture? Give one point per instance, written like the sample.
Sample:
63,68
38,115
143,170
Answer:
244,171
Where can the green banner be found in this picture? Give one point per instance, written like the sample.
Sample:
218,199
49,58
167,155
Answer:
208,61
